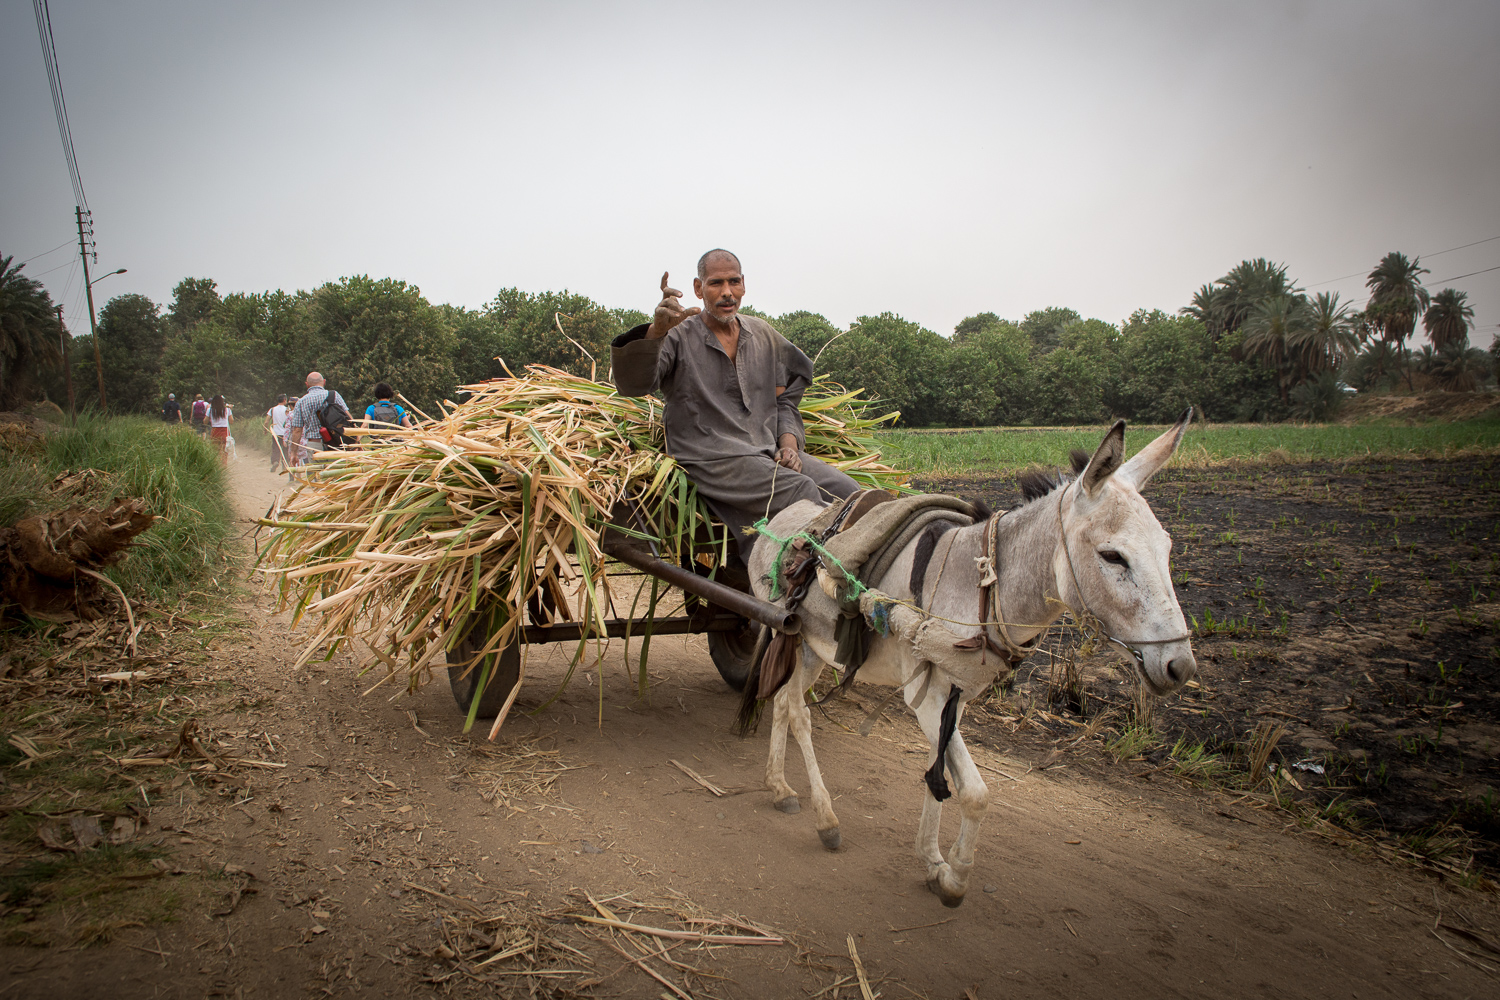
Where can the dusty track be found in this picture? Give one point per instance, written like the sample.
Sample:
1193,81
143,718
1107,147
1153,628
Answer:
1084,886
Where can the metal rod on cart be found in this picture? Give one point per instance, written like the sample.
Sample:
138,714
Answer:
727,598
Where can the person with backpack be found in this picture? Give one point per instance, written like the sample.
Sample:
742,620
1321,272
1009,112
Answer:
200,414
171,412
320,419
385,412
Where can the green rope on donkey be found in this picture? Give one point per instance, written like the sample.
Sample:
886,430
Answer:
852,582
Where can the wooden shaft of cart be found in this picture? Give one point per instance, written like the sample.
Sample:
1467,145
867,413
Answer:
727,598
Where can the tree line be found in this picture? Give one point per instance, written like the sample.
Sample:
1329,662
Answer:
1250,346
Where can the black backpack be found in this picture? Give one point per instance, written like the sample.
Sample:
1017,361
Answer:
334,421
385,412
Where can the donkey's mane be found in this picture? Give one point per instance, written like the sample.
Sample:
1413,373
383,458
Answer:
1037,483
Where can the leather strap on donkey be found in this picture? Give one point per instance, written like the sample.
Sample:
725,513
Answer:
858,537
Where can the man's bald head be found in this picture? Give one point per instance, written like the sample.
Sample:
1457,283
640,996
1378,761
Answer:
313,379
717,256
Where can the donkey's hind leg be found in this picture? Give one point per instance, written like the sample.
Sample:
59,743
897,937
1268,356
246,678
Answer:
929,716
949,878
973,800
783,795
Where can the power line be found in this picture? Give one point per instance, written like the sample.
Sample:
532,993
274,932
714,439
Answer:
59,103
1469,275
66,243
1361,274
51,269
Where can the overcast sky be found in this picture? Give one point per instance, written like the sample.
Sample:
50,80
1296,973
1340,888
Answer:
930,159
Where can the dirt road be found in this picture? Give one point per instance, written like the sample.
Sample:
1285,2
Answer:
389,843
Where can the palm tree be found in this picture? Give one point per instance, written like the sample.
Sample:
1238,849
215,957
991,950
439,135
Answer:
1328,336
1207,308
28,334
1272,332
1448,319
1397,297
1246,286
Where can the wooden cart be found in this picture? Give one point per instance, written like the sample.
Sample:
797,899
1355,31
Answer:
716,602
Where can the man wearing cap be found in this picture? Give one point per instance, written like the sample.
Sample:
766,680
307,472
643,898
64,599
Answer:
732,386
171,413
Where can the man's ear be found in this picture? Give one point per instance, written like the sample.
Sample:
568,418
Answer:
698,287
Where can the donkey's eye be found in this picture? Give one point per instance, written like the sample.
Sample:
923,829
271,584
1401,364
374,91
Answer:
1111,556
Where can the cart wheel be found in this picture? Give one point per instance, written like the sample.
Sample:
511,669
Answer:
503,675
734,653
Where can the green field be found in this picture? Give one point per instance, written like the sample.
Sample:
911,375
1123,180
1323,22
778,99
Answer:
998,449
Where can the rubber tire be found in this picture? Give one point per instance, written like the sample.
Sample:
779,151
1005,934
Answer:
734,653
503,677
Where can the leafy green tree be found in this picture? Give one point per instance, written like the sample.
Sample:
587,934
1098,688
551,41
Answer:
212,358
1161,366
989,373
131,341
810,331
193,301
1045,326
366,331
898,361
1067,388
560,329
29,335
1448,318
1238,388
973,324
477,357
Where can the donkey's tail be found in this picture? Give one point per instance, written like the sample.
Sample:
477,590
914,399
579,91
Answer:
747,719
772,669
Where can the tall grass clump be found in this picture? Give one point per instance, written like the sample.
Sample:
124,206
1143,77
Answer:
176,472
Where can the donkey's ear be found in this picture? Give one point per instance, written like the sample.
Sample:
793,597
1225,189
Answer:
1106,460
1145,462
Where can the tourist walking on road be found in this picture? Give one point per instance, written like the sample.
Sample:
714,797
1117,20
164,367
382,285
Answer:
317,420
200,413
386,412
278,422
170,412
220,416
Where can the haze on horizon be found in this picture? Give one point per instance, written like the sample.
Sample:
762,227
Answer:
935,160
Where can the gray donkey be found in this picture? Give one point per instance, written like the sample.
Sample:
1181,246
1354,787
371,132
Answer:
952,616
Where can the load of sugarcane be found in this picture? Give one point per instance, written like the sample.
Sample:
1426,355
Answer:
497,504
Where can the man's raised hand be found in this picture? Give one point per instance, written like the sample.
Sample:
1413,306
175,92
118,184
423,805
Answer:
669,311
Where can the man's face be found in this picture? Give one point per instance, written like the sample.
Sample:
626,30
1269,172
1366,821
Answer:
721,290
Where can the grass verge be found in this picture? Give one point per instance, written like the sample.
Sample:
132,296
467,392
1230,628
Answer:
176,472
1005,449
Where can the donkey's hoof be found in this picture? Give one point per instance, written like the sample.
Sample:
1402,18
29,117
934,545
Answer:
942,885
789,805
831,838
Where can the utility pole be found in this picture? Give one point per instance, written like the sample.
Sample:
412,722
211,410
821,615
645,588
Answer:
89,288
67,353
